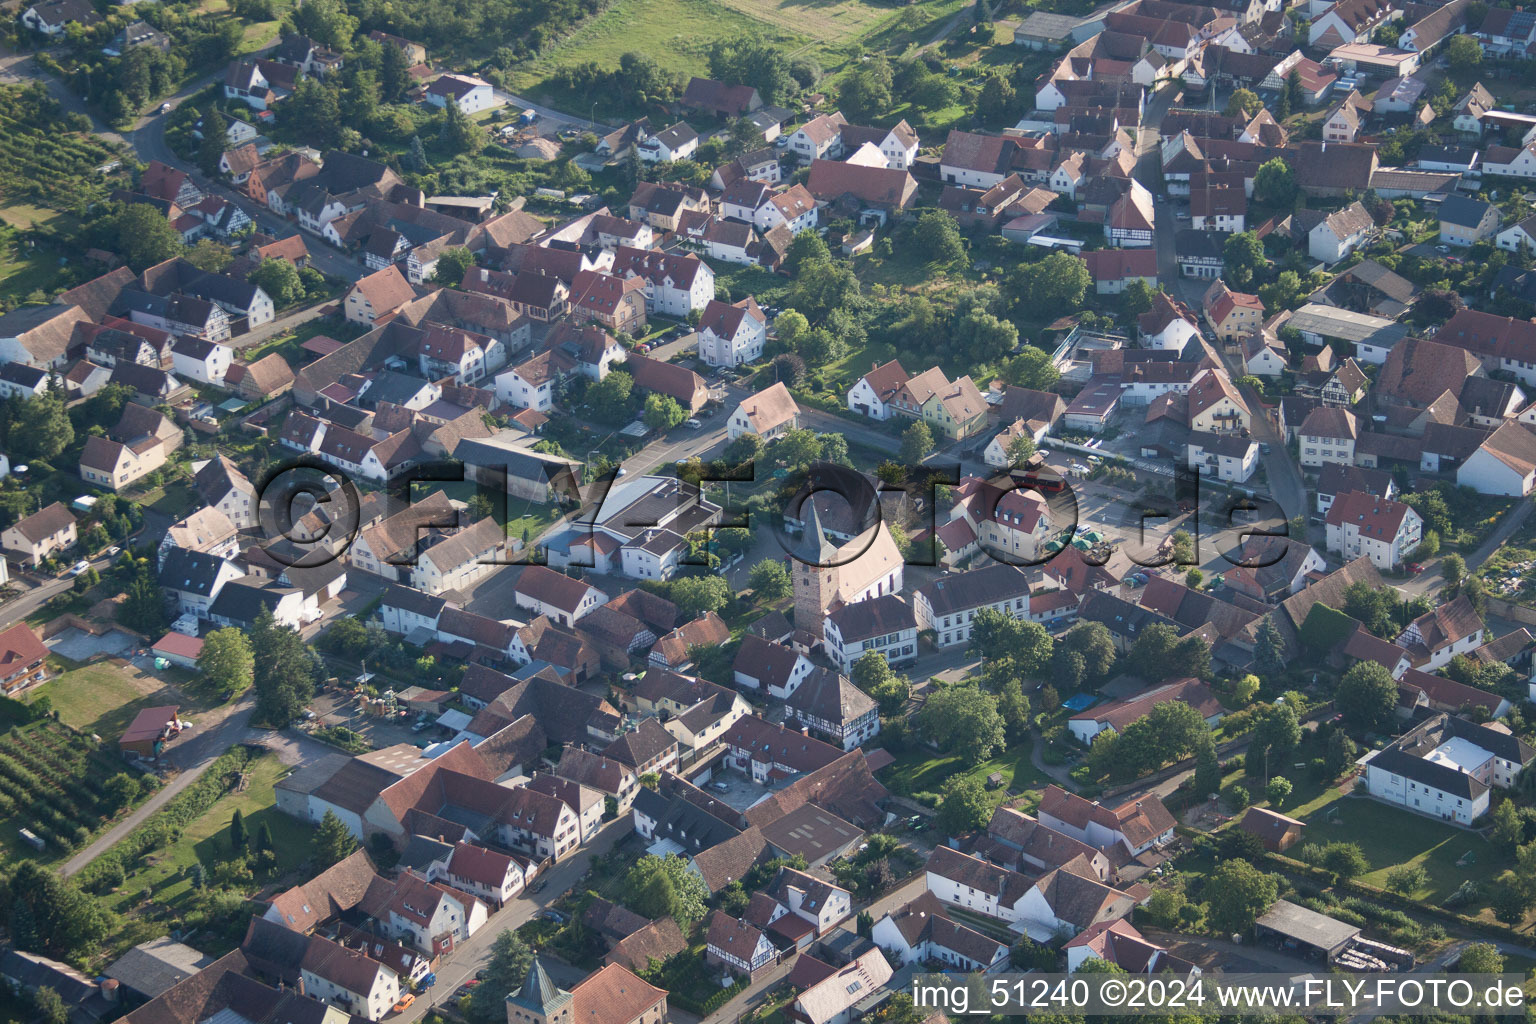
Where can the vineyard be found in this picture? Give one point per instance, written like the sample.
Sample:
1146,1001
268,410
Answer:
51,783
41,163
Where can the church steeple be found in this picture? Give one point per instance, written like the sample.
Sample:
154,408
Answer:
540,1000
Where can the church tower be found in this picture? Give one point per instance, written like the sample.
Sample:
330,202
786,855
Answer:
814,576
540,1000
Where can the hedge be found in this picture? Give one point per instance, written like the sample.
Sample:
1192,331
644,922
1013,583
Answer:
165,825
710,1005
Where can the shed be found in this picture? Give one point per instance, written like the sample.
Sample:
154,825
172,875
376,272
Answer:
150,731
152,968
1312,933
178,649
1277,831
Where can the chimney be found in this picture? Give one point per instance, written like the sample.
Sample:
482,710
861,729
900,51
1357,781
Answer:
301,984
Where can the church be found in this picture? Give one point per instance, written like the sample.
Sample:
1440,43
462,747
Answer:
828,573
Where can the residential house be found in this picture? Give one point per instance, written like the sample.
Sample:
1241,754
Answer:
768,414
41,535
1446,767
1465,222
948,605
1137,825
1442,633
1360,524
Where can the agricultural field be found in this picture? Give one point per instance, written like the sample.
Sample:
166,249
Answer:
678,34
50,782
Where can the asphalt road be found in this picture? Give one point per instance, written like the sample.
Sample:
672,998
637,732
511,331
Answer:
460,965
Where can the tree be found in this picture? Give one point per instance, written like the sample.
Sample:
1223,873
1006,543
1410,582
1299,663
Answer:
284,671
964,720
144,236
1244,103
998,102
325,21
1097,647
1407,879
1207,766
48,914
452,265
1275,184
1508,829
457,133
119,791
1194,578
769,580
1464,53
1057,282
209,255
42,428
1268,648
916,443
143,606
866,92
938,237
662,412
226,660
1367,695
1480,957
1345,860
1237,895
1275,730
1243,256
506,972
609,398
1031,368
1284,293
1135,300
1245,689
695,595
1020,450
1453,569
963,806
1278,789
684,891
238,841
264,841
874,675
314,110
280,280
51,1008
215,138
333,840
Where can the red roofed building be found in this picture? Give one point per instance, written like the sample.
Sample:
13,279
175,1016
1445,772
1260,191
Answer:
22,659
1113,270
1137,825
1384,531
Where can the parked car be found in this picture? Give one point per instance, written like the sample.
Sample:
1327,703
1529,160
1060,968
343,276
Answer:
79,567
722,787
1415,567
405,1002
693,423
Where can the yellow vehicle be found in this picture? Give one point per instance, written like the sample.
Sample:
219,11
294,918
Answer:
405,1002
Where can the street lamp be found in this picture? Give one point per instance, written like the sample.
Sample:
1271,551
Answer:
594,115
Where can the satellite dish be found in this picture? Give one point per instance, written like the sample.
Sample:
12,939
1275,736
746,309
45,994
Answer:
629,677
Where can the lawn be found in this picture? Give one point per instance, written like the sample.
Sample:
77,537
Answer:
923,771
206,839
1390,837
174,499
103,697
518,515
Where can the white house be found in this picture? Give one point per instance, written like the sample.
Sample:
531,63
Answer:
332,973
883,624
1225,456
949,604
768,414
1339,233
1384,531
1442,633
923,931
491,876
675,284
470,94
874,393
203,361
1504,464
675,143
732,333
1328,435
1446,767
